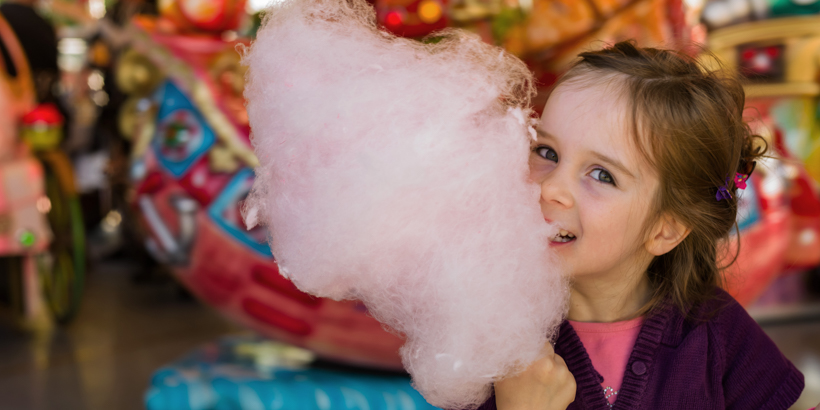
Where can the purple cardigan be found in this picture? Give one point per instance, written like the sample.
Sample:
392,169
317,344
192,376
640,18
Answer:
722,362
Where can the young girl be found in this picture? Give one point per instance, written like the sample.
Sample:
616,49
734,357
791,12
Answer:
637,154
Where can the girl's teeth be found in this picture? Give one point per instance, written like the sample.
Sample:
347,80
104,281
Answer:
564,236
564,232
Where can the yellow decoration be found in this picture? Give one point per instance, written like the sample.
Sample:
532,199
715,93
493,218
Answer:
429,11
100,55
127,117
222,159
813,162
143,131
222,126
42,136
137,74
226,68
201,10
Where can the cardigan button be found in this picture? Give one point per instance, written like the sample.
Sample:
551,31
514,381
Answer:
638,368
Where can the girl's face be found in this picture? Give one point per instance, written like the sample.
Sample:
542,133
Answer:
595,185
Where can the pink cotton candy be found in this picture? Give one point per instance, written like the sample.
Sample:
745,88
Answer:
396,173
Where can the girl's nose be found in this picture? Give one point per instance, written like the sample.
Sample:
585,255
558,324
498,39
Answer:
556,191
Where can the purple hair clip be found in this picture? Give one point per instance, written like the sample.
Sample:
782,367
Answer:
739,180
723,193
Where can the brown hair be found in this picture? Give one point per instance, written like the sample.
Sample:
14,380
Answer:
687,122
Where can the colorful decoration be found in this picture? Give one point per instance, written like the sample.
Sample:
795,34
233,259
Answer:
42,127
183,135
247,372
412,18
225,212
740,180
203,15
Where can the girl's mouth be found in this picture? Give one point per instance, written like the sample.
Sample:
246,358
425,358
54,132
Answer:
563,236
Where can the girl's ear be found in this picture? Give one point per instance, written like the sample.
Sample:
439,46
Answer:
667,233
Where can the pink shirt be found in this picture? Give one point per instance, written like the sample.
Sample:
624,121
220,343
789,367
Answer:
609,346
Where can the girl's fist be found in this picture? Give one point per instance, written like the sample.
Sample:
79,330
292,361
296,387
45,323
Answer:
546,385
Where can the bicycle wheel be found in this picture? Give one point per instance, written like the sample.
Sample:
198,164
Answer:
62,269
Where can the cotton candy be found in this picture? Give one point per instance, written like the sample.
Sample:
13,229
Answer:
395,172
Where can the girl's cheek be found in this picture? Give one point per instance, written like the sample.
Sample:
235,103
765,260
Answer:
597,190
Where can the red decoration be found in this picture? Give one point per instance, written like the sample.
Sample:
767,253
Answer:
393,19
44,113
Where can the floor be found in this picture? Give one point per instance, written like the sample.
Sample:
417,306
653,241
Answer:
127,329
104,359
800,342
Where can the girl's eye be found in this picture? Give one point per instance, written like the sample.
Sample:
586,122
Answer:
546,153
603,176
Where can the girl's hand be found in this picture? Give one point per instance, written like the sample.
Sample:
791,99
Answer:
546,385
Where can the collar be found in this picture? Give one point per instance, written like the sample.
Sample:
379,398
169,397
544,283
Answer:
664,326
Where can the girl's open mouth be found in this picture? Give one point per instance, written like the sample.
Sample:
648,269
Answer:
563,236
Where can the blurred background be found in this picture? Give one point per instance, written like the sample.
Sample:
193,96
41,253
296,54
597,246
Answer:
128,279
